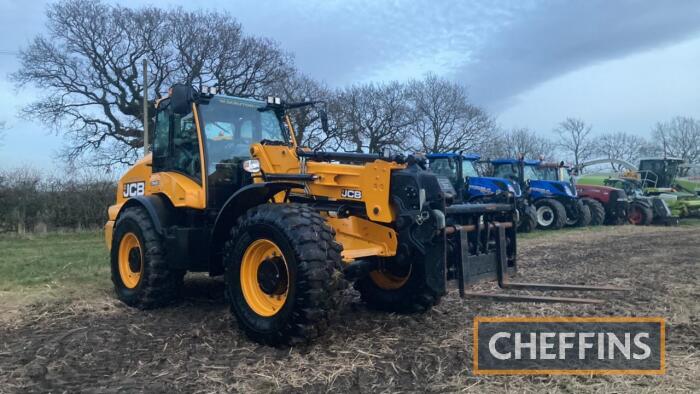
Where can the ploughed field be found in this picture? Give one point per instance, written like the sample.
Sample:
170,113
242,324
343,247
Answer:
61,329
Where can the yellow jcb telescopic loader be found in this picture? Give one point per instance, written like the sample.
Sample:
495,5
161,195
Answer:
227,191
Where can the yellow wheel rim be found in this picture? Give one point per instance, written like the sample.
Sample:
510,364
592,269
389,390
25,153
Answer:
130,260
389,281
264,277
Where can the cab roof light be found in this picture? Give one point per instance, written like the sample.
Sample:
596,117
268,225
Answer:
272,100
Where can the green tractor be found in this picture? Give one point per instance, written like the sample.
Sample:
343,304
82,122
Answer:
662,177
656,179
643,209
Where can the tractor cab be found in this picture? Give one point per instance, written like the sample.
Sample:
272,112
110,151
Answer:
519,171
464,175
659,173
458,168
631,186
540,178
554,172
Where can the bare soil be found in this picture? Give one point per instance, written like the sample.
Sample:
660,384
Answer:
96,344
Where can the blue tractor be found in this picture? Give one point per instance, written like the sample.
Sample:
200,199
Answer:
556,202
462,171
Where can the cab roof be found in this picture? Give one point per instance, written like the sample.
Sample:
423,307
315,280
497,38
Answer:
469,156
527,162
661,159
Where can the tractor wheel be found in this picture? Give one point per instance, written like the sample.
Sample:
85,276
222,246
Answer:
584,216
597,211
140,272
281,273
528,219
640,215
551,214
397,288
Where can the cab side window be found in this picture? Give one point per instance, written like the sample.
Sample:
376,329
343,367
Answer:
185,156
175,144
161,139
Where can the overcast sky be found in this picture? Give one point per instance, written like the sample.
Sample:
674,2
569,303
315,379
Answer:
619,65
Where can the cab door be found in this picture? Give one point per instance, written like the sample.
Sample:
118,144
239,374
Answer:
178,169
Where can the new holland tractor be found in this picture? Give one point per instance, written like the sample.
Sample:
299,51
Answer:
608,205
227,191
556,202
462,171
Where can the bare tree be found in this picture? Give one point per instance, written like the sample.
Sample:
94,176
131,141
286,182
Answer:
372,117
680,137
516,142
443,119
622,146
575,139
88,65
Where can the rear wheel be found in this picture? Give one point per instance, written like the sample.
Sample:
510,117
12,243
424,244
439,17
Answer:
140,272
640,215
397,288
551,214
282,277
597,211
528,219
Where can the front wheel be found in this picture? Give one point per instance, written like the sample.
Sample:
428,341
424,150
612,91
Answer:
551,214
281,273
528,219
640,215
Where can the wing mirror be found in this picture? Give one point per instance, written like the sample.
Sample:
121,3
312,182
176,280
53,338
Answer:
181,98
324,119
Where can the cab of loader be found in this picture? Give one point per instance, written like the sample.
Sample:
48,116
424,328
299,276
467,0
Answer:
214,159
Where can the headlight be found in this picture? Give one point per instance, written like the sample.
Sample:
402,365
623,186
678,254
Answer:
511,189
570,190
251,166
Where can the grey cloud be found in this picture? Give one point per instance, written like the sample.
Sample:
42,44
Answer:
343,42
558,37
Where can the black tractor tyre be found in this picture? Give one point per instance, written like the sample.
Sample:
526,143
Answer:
313,280
548,206
597,211
640,215
528,219
584,215
157,285
381,290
